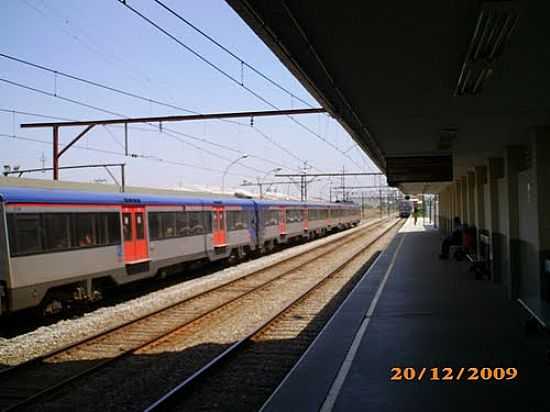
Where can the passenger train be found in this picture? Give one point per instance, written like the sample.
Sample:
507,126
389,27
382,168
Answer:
59,246
405,207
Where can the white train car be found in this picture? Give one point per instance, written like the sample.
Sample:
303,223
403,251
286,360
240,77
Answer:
62,245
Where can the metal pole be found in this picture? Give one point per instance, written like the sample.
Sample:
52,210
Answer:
122,178
244,156
55,157
126,139
343,184
380,201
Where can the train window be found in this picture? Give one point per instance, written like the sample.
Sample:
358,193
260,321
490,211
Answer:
127,226
313,214
154,226
289,216
231,219
195,223
48,232
56,228
164,225
113,228
11,232
168,220
274,216
101,229
182,224
271,217
25,232
84,229
294,215
140,226
237,219
207,221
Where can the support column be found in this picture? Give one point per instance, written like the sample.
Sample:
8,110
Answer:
495,171
540,149
479,197
443,210
464,200
55,154
470,198
512,161
458,199
479,202
456,203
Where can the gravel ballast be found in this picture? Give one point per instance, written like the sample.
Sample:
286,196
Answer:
48,338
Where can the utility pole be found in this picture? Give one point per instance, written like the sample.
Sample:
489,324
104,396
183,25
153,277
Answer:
380,201
43,161
343,184
303,182
260,188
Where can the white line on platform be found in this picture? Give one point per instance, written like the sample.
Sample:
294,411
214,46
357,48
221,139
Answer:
334,391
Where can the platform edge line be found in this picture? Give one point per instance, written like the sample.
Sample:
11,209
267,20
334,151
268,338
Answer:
336,387
312,344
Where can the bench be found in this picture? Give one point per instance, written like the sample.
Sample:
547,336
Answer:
534,324
481,263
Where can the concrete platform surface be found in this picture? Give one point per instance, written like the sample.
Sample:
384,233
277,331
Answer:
412,310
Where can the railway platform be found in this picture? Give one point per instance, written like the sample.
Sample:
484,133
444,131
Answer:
412,310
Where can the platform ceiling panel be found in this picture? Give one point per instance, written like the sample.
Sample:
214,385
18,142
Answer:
388,71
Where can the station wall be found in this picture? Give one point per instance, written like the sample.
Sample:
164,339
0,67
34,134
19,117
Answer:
508,198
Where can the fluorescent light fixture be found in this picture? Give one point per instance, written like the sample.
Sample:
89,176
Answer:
495,24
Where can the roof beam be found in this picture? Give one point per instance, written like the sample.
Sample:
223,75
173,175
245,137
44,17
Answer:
178,118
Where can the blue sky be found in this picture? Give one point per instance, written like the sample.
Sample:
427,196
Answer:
105,42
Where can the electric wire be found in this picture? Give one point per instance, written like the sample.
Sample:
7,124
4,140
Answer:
232,78
132,155
167,131
145,99
232,54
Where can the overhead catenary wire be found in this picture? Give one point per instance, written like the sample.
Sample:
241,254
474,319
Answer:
41,115
167,131
139,97
132,155
232,78
232,54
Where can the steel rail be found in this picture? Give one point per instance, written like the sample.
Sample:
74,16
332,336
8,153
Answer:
167,401
332,246
130,322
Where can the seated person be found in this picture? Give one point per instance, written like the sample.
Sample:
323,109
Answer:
454,238
85,240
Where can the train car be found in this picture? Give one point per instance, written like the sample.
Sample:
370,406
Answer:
344,215
405,208
58,245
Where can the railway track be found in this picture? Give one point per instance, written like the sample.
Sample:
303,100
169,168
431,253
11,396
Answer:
212,386
36,380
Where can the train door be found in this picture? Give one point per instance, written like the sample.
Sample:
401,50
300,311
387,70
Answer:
282,221
306,219
135,240
218,229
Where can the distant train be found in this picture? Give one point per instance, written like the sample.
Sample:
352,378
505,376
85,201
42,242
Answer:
405,208
59,246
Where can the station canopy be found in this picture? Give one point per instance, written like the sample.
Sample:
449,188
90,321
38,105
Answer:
428,89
